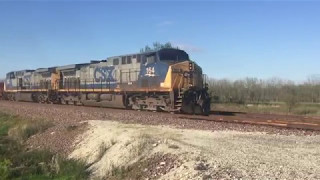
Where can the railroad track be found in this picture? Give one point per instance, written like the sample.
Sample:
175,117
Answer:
282,121
271,120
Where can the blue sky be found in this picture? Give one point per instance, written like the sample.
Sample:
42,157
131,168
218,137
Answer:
228,39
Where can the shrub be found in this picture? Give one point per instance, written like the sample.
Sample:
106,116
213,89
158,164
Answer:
23,129
4,168
305,110
6,121
118,172
72,169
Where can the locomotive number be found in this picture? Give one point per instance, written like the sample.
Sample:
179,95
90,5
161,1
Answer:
150,71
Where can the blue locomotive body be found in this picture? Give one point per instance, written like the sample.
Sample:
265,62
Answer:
154,80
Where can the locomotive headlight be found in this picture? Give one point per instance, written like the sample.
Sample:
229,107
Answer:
191,66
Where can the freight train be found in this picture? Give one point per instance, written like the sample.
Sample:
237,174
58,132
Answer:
1,88
162,80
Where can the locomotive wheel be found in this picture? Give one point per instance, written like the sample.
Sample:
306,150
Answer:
63,102
53,98
12,97
78,103
42,98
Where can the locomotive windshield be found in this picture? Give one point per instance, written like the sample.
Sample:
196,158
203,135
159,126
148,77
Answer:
173,55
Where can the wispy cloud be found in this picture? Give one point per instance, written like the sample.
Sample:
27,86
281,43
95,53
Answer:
164,23
188,47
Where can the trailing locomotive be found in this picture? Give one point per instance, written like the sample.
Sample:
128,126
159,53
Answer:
1,88
163,80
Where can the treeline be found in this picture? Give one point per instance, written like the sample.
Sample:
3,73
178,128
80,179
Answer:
157,46
253,90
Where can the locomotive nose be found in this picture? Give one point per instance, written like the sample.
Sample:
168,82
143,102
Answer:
195,98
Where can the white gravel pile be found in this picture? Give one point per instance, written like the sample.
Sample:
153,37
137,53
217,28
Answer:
206,154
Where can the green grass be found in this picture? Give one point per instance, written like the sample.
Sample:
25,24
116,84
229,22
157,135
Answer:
18,163
306,110
311,109
6,121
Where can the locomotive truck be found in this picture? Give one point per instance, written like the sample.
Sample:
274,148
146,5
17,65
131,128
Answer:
162,80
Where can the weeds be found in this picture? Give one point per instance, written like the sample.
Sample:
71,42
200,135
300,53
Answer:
23,129
6,121
4,168
118,172
17,163
144,141
305,110
72,169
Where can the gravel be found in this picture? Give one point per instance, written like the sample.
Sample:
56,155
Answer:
68,122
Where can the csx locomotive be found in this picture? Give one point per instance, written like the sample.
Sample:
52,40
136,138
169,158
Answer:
1,88
162,80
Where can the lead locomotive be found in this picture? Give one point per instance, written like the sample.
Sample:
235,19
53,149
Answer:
163,80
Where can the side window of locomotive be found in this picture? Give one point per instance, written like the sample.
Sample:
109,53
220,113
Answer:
12,76
173,56
138,58
19,73
46,74
129,60
151,59
144,59
116,61
123,60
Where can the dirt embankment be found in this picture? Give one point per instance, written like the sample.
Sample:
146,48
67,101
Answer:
116,150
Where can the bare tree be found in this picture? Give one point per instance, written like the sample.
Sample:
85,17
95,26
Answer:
253,90
290,97
157,46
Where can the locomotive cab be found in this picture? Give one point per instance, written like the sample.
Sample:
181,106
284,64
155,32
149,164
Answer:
172,56
186,81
